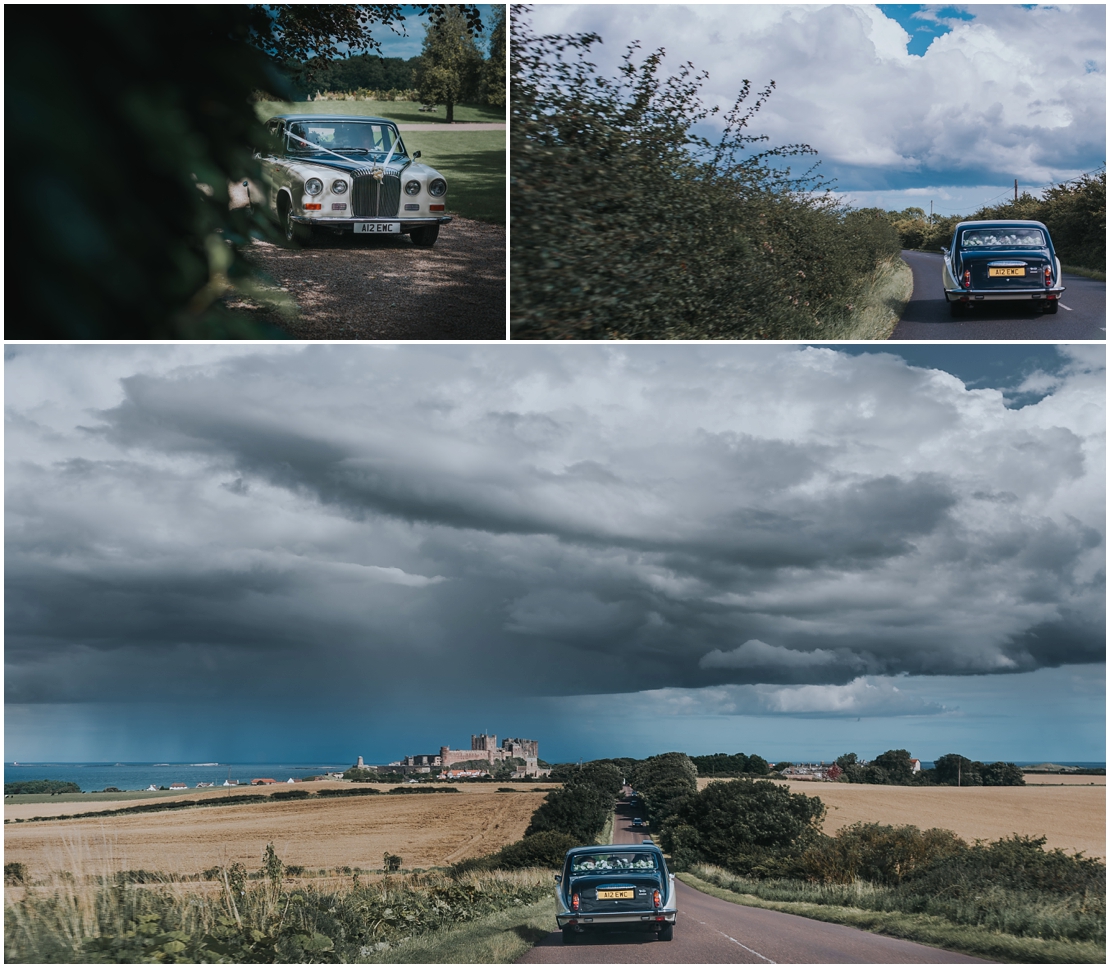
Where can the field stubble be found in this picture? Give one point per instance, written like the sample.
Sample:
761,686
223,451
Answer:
427,830
1072,817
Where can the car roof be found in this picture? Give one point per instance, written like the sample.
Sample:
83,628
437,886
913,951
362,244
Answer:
612,848
329,117
1010,222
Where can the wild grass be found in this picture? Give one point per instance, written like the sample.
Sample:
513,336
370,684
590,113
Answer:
79,915
878,306
1017,925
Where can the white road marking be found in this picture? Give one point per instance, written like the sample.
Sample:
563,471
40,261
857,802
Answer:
734,941
1068,308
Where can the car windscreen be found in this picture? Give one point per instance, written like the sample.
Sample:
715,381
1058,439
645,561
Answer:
625,860
1002,238
356,139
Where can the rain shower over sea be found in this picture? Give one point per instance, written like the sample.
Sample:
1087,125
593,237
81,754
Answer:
141,776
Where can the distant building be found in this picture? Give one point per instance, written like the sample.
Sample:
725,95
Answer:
202,785
262,781
179,786
484,747
230,782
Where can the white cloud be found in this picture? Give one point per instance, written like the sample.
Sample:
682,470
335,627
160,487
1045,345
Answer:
756,654
991,97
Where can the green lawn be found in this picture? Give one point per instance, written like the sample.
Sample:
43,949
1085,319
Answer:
404,112
473,162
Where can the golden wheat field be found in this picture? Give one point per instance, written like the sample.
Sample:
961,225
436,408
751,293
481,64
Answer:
1070,816
425,830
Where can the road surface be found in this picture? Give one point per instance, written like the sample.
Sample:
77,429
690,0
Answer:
1082,313
712,931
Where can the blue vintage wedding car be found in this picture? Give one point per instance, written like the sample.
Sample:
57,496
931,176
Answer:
1004,259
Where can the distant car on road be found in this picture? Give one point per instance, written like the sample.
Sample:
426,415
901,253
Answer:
624,887
349,174
1002,259
637,822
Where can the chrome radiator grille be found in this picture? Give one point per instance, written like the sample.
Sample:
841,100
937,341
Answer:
371,198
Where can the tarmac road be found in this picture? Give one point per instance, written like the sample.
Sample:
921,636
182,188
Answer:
712,931
1082,313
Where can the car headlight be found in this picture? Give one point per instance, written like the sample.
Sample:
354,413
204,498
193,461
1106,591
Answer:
338,187
412,187
314,186
438,187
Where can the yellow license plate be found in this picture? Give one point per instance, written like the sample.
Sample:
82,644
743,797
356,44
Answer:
615,895
1017,271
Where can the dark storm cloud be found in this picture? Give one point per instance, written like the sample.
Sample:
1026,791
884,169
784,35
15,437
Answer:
270,523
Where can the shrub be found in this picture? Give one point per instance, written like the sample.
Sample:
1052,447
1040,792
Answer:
40,786
15,873
291,795
746,825
876,853
666,782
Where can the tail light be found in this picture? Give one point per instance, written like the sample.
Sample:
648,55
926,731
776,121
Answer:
574,902
1048,276
656,899
967,278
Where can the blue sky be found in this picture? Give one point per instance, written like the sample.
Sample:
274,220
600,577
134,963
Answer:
906,104
265,553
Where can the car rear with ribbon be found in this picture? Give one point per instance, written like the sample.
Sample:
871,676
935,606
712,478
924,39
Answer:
1004,260
621,887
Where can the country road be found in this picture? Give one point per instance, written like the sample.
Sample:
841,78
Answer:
712,931
1082,313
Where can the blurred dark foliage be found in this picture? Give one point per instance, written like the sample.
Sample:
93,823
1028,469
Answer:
628,224
1074,213
123,113
665,783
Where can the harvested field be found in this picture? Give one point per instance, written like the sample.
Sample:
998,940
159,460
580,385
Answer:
1071,817
24,808
1064,779
426,830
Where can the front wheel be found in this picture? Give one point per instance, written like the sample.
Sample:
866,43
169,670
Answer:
570,936
1052,306
425,236
292,231
667,933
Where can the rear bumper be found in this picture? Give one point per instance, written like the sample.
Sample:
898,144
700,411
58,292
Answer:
624,917
1008,295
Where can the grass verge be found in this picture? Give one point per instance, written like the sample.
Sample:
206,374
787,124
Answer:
498,939
1087,273
606,835
924,929
879,306
403,112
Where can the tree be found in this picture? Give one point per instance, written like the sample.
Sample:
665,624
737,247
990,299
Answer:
897,764
116,239
848,759
449,64
491,88
743,824
955,770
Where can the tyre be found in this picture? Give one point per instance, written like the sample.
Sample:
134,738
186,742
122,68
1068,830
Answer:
425,236
667,933
290,229
1052,306
570,936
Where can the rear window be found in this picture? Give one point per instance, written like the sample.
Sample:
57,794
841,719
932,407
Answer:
625,860
1002,238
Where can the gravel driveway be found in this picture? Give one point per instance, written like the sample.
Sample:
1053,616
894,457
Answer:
387,288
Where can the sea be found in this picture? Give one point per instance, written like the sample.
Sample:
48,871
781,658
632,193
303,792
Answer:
139,776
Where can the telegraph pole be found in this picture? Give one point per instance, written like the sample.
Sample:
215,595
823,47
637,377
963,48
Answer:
1015,191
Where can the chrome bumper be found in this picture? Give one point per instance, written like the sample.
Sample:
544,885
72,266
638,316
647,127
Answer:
349,223
623,917
994,295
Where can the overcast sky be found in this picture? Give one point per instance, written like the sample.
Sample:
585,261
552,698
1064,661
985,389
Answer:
905,103
266,553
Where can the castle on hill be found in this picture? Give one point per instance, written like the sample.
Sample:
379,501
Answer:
482,747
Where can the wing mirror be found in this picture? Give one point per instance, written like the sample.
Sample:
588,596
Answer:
415,155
